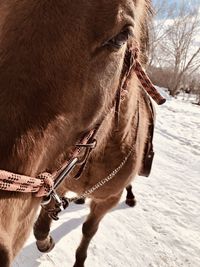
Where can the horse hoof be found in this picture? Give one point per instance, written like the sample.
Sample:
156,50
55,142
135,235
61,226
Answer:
78,264
131,202
46,245
80,201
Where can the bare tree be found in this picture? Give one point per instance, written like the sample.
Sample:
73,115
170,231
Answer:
158,32
174,44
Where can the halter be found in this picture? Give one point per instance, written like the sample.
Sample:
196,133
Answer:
45,184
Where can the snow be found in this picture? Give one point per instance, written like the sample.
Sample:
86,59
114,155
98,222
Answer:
163,230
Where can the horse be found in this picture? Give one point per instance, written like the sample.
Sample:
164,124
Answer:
61,64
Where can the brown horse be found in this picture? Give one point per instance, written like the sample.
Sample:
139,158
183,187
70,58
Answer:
60,66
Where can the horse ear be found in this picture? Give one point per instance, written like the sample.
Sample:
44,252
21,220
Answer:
144,43
145,28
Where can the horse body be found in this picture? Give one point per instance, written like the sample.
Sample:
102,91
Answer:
58,80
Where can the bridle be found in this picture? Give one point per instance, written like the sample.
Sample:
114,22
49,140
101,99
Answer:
45,184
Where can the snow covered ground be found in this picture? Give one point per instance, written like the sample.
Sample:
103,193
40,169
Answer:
163,230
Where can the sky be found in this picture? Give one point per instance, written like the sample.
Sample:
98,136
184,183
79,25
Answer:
193,2
190,4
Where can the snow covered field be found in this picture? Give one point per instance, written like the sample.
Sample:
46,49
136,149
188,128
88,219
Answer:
163,230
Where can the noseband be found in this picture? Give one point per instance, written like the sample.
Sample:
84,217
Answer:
45,184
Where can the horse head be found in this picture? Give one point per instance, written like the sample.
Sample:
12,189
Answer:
61,63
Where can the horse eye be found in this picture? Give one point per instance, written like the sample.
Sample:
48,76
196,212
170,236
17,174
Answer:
119,40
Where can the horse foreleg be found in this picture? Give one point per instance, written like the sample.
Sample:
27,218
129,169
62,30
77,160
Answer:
5,250
44,241
97,211
41,231
130,198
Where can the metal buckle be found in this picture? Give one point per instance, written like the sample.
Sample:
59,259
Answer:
88,148
60,203
91,145
53,195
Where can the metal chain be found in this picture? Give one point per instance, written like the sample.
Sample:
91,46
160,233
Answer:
104,180
113,173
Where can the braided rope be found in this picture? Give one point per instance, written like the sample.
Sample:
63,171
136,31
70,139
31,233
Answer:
147,84
21,183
